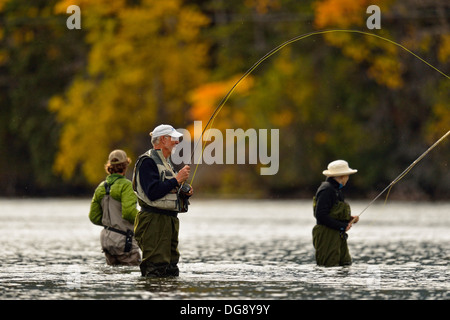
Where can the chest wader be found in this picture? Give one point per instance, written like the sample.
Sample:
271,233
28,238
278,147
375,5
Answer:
157,224
330,244
117,236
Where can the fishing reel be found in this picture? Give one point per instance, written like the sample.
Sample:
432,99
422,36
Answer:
185,188
183,198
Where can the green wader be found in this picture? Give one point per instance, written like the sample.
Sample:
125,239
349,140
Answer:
157,236
330,244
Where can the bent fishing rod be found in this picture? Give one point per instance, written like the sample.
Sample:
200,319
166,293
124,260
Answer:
401,175
275,50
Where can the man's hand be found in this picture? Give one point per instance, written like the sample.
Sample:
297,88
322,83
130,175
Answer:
183,174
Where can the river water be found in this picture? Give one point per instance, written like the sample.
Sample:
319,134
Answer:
230,249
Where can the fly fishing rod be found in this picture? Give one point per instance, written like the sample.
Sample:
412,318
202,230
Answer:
401,175
271,53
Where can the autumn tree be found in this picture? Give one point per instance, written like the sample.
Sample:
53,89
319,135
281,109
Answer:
344,95
413,104
68,97
144,58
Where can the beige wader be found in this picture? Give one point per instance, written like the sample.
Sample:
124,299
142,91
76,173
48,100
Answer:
113,238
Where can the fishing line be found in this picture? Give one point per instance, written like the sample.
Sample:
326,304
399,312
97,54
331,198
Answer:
404,173
272,52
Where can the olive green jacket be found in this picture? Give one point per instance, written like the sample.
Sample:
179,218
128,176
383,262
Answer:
122,191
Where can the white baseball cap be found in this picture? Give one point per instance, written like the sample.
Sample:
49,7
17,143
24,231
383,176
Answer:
165,129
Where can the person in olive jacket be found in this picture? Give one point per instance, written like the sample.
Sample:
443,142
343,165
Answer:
333,217
113,206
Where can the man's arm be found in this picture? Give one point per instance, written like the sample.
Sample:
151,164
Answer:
150,183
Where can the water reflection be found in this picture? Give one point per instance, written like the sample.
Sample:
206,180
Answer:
230,250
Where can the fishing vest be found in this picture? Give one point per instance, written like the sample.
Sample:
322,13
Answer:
339,211
171,200
117,236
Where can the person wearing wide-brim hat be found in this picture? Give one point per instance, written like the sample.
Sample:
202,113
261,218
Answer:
333,217
113,206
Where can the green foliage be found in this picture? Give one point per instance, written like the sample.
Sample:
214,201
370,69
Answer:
37,59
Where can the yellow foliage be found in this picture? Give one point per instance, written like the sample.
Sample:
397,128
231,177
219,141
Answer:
340,13
2,4
386,70
3,57
142,61
99,7
384,67
440,124
358,51
444,48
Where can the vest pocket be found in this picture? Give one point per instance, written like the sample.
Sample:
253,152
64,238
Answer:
340,211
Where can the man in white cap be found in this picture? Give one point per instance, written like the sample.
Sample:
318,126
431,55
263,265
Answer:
333,217
157,187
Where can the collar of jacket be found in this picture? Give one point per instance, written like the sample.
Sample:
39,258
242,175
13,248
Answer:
334,183
113,178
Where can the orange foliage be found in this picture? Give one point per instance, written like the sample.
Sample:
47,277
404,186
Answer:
263,6
382,57
341,13
206,98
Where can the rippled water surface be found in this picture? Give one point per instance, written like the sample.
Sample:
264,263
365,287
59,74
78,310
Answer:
229,250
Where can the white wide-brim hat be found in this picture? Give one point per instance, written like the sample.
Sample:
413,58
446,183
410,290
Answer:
165,130
338,168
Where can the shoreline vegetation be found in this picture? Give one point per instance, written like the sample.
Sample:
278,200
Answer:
70,96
